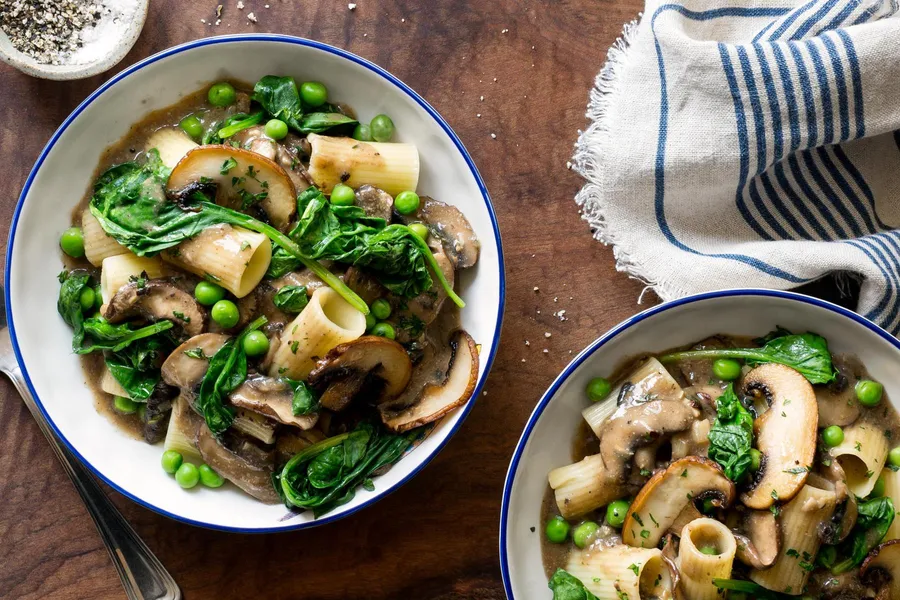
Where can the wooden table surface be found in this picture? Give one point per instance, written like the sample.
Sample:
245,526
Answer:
436,537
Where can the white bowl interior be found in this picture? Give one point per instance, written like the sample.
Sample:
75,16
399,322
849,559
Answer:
548,444
66,172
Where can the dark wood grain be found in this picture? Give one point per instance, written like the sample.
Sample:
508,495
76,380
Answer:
437,536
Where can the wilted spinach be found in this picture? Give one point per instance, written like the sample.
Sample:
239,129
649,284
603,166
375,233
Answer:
872,523
566,586
227,370
280,98
731,436
291,298
305,400
807,353
69,303
137,367
326,474
319,122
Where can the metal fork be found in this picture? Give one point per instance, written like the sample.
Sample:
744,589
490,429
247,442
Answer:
142,575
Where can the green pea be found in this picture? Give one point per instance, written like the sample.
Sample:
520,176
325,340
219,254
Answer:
557,530
98,297
755,459
869,392
362,133
343,195
616,513
878,490
192,126
225,313
385,330
208,293
382,128
726,369
87,299
256,343
597,389
313,93
584,532
894,456
187,476
381,308
370,321
406,202
221,94
276,129
833,436
710,550
210,478
420,229
125,406
171,461
72,242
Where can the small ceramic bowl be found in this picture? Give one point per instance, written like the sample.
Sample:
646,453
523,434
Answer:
108,42
65,170
547,440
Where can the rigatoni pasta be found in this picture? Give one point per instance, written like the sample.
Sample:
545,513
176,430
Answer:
232,257
392,167
621,572
110,385
706,552
892,491
118,270
182,430
581,487
328,320
98,245
862,455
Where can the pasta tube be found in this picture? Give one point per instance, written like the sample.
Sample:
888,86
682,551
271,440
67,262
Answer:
182,431
621,572
862,455
118,270
97,244
582,487
698,567
392,167
328,320
233,257
892,491
800,519
110,385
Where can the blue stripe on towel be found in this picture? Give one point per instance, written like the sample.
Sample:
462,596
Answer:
800,203
766,214
812,123
813,20
841,84
842,16
783,208
790,97
841,181
811,196
825,91
759,121
795,14
856,76
888,296
774,105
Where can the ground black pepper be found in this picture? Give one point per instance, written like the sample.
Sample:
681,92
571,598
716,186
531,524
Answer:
48,30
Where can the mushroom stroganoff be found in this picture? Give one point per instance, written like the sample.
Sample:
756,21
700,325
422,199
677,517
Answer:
737,468
254,281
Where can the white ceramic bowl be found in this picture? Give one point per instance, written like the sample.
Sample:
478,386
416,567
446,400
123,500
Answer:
547,440
64,172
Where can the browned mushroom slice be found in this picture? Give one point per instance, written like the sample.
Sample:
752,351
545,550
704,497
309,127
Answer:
238,174
435,401
273,398
882,568
187,364
450,226
155,300
241,462
664,497
785,433
759,539
341,392
837,401
371,356
832,477
376,202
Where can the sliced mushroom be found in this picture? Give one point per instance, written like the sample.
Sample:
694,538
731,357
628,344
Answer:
664,497
250,175
255,139
688,513
171,143
759,539
422,310
640,425
369,355
364,285
155,300
837,401
376,202
273,398
842,521
882,568
450,226
240,462
185,371
699,372
435,401
156,416
785,433
341,392
290,442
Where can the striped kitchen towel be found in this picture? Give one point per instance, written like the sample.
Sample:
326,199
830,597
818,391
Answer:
751,143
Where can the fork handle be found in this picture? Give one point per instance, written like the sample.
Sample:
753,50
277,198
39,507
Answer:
142,575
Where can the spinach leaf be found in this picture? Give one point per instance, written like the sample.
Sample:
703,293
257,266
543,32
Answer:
280,98
227,370
291,298
872,523
326,474
807,353
136,367
568,587
131,206
237,123
731,436
323,121
100,334
69,303
305,400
